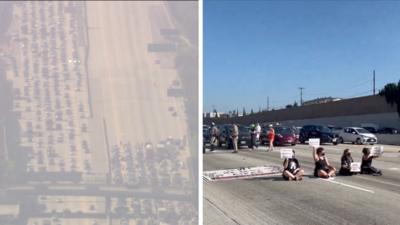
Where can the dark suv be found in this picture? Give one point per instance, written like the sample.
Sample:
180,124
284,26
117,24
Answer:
225,137
316,131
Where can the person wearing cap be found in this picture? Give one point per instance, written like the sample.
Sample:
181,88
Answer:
214,136
271,137
291,169
235,136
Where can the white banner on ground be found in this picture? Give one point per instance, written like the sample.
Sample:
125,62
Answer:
376,151
355,167
242,173
286,153
314,142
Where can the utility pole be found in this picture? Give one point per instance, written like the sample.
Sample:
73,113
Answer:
301,95
373,82
267,103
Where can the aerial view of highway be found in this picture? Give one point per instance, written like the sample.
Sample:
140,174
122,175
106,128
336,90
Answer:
95,128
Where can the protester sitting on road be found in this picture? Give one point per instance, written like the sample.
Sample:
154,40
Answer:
271,137
292,170
214,135
322,167
366,163
345,169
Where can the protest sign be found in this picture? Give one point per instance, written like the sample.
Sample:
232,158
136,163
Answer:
286,153
314,142
355,167
376,151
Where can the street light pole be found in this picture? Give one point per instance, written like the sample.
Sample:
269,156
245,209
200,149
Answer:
301,95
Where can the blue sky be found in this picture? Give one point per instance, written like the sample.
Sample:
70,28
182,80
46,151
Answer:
255,49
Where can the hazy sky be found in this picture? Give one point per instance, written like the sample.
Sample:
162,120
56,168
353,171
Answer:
255,49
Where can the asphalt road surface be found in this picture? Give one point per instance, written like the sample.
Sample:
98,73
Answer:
360,199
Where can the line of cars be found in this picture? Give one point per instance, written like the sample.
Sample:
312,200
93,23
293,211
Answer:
285,135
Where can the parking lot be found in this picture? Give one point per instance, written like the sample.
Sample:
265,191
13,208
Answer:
359,199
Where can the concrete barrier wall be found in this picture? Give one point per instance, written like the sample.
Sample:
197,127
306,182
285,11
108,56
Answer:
388,139
355,106
381,119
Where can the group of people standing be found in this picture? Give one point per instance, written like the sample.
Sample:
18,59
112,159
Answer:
255,134
324,169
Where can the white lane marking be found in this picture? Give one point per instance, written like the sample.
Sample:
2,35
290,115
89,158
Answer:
348,185
394,168
378,181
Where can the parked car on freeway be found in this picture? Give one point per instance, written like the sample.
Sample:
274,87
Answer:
206,135
283,136
372,130
335,129
357,135
387,130
317,131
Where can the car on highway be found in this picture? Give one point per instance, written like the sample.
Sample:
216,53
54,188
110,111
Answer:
225,136
318,131
283,136
387,130
335,129
206,136
372,130
357,135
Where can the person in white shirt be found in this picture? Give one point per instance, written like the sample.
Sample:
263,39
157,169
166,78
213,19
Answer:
258,132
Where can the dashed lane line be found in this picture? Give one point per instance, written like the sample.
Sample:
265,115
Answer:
348,185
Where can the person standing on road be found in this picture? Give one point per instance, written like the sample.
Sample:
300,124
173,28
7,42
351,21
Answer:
214,135
322,167
253,137
291,169
271,137
258,132
235,136
345,169
366,163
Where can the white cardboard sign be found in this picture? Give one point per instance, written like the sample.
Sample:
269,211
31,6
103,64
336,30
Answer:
355,167
314,142
286,153
376,151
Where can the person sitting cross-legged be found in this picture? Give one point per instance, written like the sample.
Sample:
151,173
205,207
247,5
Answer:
291,169
323,168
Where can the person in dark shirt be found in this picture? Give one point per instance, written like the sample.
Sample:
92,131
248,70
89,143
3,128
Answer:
291,169
366,163
322,169
345,169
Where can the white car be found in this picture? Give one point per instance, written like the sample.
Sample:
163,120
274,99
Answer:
357,135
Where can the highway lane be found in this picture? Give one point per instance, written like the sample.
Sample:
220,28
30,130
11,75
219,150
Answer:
344,200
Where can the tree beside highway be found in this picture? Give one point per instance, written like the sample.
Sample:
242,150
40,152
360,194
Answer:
391,92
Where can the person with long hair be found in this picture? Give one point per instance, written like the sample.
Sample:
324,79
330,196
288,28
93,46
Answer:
345,169
323,168
366,163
